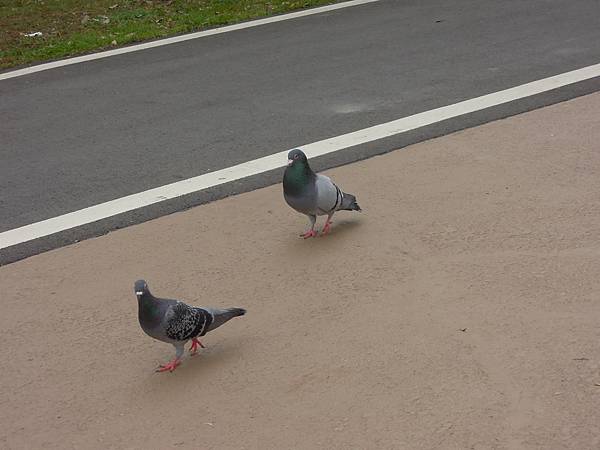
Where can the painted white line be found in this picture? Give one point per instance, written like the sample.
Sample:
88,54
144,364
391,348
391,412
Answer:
182,38
278,160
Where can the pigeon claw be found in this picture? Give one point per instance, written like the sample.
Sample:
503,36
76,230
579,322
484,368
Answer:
170,366
309,234
195,344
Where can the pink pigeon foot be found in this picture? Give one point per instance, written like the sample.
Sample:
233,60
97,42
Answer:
195,344
170,366
310,233
326,228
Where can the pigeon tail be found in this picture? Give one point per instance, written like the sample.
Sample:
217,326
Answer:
349,203
220,316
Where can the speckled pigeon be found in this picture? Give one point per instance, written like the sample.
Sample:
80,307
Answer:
176,323
313,194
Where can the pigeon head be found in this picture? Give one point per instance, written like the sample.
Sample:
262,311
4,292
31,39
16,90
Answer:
296,157
141,288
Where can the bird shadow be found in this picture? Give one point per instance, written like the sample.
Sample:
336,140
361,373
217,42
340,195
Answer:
206,361
214,355
342,227
340,230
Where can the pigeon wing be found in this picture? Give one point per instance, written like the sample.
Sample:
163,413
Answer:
329,196
184,322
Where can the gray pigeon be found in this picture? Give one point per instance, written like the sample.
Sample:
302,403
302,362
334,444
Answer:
313,194
176,323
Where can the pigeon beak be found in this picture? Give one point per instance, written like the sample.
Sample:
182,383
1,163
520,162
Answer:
290,161
139,293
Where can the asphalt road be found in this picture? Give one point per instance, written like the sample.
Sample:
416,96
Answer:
83,134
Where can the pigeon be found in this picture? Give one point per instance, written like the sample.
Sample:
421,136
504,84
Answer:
176,323
313,194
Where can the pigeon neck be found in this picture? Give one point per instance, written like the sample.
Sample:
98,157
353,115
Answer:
148,309
296,177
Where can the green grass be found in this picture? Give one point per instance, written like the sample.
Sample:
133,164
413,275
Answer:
73,27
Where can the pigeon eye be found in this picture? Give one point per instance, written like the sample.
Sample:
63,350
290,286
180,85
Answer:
295,156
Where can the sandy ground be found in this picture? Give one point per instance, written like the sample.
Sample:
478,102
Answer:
460,310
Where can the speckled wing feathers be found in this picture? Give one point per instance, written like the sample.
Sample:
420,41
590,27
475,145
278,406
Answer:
184,322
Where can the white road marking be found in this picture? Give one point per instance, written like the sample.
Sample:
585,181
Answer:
182,38
278,160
